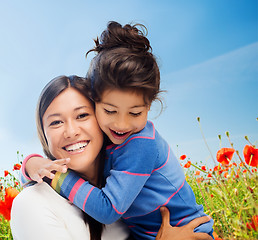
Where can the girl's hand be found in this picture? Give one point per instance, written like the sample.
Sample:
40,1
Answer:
167,232
37,167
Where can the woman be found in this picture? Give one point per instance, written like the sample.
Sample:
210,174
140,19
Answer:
67,128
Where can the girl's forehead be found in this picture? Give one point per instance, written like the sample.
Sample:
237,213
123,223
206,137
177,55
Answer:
136,96
130,92
118,98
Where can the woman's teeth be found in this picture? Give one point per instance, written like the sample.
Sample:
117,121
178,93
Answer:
76,146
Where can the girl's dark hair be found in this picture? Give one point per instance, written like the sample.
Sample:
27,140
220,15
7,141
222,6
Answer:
55,87
124,61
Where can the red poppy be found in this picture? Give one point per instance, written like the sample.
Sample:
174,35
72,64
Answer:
204,168
253,224
251,155
188,164
216,168
197,173
209,175
224,155
17,166
182,157
6,173
6,205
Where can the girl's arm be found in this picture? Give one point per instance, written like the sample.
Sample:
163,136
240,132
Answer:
127,178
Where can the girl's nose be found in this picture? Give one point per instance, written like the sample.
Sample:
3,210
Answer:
122,123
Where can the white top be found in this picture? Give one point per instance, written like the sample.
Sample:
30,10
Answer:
38,212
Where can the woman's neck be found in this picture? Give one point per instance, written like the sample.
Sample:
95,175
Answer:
92,175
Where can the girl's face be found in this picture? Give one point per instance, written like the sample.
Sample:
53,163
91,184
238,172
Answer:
121,114
72,131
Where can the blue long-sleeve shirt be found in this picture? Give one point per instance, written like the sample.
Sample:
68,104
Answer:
142,174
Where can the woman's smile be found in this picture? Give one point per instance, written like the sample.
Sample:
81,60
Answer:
76,148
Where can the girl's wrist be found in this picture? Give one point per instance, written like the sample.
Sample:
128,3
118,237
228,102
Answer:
24,173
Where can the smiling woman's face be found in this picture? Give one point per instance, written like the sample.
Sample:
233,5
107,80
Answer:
72,131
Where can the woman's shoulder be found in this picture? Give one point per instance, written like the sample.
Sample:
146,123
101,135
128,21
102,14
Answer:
37,190
38,212
33,197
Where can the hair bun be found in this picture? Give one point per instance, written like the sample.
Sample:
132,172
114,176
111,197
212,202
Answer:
129,36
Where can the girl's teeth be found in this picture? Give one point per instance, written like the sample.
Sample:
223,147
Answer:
120,133
76,146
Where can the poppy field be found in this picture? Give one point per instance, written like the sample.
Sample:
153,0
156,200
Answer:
227,191
9,188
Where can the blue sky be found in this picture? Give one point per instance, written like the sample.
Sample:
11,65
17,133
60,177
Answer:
207,52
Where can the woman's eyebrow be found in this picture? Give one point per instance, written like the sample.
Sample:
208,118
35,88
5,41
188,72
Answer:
78,108
59,114
54,115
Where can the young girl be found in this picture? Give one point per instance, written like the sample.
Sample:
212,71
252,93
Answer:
142,174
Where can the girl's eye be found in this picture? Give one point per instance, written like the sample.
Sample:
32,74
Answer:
55,123
109,112
83,115
135,114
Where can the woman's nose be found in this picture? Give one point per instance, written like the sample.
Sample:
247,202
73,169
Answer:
71,130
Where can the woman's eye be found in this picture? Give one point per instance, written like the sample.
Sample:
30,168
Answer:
109,112
83,115
135,114
55,123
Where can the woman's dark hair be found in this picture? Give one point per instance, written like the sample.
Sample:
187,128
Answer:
55,87
124,61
